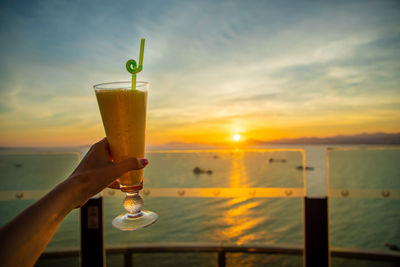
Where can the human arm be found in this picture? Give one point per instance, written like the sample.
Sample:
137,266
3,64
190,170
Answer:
25,237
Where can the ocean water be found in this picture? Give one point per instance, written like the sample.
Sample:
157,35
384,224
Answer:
354,222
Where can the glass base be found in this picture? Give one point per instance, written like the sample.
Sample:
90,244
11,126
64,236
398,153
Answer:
130,222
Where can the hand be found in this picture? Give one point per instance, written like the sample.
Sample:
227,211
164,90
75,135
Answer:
40,221
97,171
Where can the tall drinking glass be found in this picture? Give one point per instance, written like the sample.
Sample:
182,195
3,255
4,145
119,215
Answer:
123,111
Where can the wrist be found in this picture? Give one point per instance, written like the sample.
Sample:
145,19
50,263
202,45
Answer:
80,188
71,193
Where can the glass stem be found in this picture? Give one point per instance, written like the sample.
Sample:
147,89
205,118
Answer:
133,203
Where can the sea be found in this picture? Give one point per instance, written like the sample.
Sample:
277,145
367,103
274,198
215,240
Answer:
366,220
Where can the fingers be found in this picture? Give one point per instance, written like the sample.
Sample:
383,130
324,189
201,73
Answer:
129,165
110,173
114,185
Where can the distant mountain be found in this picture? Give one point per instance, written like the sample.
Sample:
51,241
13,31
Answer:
364,139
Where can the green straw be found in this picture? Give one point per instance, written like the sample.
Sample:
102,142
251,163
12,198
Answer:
131,65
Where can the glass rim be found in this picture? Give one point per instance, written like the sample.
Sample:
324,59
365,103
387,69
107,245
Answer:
125,85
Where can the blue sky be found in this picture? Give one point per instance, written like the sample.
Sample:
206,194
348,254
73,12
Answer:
264,69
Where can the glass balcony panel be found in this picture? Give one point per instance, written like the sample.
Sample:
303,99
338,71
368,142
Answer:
235,204
236,197
364,197
26,176
229,168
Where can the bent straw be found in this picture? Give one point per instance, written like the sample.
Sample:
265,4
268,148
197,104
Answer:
132,67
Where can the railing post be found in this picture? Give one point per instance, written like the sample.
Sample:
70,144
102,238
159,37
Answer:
221,259
316,236
128,259
92,233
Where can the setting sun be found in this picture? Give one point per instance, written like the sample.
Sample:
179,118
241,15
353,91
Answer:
236,137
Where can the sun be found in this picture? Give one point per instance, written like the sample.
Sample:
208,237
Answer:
236,137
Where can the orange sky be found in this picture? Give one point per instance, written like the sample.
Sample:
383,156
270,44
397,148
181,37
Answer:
271,72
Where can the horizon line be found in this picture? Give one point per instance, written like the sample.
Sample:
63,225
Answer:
255,142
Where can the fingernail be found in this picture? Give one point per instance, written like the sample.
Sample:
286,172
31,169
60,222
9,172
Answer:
144,162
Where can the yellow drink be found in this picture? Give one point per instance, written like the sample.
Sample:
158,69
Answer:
124,118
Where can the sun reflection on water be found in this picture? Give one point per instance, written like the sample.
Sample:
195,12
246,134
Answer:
238,176
242,209
238,221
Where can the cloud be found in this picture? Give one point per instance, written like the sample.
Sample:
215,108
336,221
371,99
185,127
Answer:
207,62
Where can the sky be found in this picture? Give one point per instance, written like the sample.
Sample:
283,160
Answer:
265,70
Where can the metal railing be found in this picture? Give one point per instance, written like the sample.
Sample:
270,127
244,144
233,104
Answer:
221,250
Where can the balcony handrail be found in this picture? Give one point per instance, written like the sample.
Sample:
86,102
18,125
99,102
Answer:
179,192
181,247
227,192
